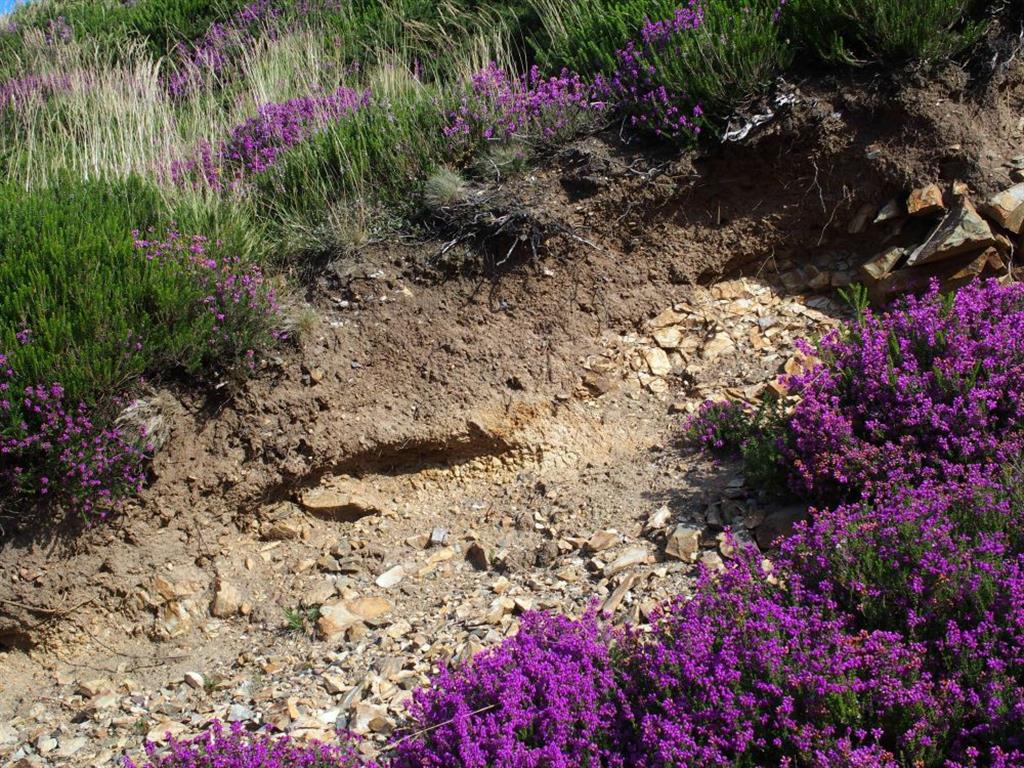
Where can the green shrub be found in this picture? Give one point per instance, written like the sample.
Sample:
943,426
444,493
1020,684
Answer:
99,312
161,24
859,32
585,35
757,436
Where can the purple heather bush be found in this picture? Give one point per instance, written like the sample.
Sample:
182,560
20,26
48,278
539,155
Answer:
693,68
233,747
547,698
498,107
929,389
940,564
257,143
61,452
926,390
749,673
639,87
17,92
211,55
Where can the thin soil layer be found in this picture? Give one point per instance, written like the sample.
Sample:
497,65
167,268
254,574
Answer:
444,454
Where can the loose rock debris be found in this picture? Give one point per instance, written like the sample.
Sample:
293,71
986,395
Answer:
966,241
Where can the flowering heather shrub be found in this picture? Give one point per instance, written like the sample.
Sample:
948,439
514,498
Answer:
59,31
927,389
52,450
17,92
942,565
212,58
710,54
235,748
209,56
256,144
748,673
736,430
498,107
547,698
236,301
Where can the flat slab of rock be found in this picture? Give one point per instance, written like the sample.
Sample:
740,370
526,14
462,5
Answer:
925,201
343,500
603,540
631,557
961,231
337,617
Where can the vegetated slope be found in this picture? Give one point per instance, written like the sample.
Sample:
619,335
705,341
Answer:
285,134
619,231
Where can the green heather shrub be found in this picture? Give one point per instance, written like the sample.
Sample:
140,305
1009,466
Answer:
161,24
883,31
98,311
717,53
585,35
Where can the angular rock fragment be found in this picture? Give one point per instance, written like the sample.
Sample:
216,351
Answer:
1007,208
668,338
631,557
344,500
961,231
227,600
683,543
882,264
603,540
657,361
925,201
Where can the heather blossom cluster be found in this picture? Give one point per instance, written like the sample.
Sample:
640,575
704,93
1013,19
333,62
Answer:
638,86
254,146
17,92
550,697
239,305
57,451
924,392
233,747
213,56
498,106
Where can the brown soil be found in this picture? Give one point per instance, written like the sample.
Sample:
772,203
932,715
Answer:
464,402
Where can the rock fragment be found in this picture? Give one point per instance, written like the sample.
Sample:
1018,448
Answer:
227,600
344,499
961,231
633,556
683,543
391,577
926,200
1007,208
